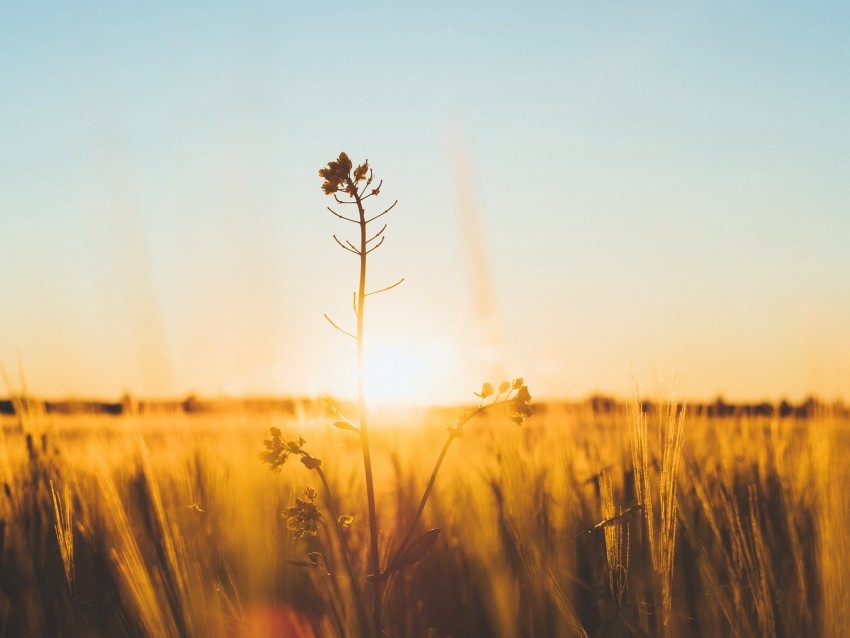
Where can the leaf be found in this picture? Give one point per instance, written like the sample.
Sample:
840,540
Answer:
417,549
614,520
346,425
334,411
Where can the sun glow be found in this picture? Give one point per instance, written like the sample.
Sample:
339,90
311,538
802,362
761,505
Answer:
404,375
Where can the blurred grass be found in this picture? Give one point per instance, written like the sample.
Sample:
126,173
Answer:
169,525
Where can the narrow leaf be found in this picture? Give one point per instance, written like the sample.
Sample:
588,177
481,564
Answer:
346,425
417,549
614,520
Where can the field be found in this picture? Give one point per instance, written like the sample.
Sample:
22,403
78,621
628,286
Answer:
578,523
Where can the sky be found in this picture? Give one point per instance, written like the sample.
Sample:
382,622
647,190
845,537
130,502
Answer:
597,197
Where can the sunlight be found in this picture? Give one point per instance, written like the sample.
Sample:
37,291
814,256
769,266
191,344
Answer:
401,374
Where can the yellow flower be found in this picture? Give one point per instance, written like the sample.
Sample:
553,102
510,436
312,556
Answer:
303,517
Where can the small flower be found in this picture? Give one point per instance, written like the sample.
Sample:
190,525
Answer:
303,517
519,407
345,520
360,171
277,450
486,391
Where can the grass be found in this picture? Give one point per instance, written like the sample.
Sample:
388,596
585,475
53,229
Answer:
167,526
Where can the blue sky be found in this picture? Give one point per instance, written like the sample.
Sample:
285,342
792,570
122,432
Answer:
661,192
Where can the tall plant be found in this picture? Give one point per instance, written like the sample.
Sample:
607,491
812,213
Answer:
353,186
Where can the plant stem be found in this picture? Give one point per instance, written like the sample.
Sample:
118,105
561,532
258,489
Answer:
453,434
362,618
330,569
422,502
374,556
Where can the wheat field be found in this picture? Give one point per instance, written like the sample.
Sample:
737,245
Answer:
626,522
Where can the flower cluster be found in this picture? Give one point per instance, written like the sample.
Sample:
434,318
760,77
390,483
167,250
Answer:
277,450
303,518
519,406
337,175
512,397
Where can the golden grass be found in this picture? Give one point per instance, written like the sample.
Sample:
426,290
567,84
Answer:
660,495
170,526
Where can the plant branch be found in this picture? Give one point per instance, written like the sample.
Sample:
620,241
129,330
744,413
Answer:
375,292
348,219
376,235
345,332
367,184
374,192
376,245
381,214
350,248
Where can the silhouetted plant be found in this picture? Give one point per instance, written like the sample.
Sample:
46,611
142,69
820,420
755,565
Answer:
352,186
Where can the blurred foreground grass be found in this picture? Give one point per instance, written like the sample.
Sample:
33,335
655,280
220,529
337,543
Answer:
169,525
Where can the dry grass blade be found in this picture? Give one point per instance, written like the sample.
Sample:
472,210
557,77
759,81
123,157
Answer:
139,585
616,539
660,528
65,530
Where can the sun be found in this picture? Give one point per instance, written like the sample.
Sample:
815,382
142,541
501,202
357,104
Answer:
399,375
